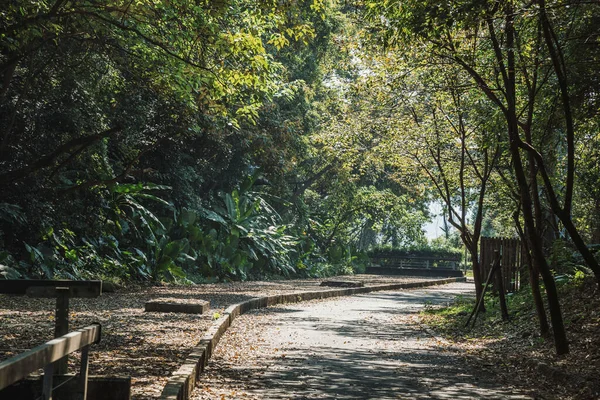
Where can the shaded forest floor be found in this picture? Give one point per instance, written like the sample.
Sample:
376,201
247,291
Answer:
515,351
146,346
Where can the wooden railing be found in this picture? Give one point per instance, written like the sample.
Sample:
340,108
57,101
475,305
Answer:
416,261
62,291
45,356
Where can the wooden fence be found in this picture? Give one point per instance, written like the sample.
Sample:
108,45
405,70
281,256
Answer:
409,265
62,291
511,259
398,261
45,356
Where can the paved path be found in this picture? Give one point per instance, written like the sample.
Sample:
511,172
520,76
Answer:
360,347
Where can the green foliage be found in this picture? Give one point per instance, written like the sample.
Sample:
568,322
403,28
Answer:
8,269
97,99
245,235
353,139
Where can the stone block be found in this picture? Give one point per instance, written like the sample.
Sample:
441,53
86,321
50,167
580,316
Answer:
173,305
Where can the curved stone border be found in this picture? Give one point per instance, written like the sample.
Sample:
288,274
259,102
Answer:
181,384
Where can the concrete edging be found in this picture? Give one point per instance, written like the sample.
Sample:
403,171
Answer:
181,384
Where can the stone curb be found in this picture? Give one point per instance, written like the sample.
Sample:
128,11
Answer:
181,384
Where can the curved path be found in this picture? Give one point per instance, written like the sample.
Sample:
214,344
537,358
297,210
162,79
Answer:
362,347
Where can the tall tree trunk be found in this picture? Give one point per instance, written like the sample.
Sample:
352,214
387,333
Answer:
476,274
564,213
534,241
534,281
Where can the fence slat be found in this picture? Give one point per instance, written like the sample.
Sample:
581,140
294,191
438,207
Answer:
511,259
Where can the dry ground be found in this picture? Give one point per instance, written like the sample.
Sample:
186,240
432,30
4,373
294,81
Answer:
515,351
146,346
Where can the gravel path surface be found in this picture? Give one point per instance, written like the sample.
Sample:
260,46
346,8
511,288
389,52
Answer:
369,346
146,346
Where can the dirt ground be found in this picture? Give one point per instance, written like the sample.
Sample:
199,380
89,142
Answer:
515,351
146,346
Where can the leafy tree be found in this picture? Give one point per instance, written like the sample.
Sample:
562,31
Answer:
494,43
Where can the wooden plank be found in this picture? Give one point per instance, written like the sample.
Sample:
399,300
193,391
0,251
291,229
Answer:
515,277
435,258
432,272
513,280
484,262
507,263
66,388
79,288
507,270
61,327
20,366
522,262
53,291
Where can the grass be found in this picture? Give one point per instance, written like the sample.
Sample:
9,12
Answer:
450,321
515,347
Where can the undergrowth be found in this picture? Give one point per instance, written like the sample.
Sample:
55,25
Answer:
515,348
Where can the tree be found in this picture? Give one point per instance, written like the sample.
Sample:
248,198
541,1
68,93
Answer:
459,159
456,34
97,95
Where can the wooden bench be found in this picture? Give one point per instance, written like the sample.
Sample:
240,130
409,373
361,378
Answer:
429,266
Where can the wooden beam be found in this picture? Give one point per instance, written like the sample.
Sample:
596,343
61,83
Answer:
76,288
50,292
61,321
20,366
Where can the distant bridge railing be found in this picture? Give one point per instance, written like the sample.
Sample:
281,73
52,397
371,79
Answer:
417,261
447,265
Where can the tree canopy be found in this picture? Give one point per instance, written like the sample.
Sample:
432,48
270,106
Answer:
193,140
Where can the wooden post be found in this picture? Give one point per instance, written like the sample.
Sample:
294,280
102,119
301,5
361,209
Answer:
62,324
83,372
500,284
47,385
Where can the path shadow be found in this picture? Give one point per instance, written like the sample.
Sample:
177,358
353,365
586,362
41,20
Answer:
324,355
357,374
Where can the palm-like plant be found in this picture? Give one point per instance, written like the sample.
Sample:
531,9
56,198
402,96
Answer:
246,233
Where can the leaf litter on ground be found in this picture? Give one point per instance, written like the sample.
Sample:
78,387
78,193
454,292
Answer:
148,346
515,351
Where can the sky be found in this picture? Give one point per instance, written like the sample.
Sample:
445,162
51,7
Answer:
433,229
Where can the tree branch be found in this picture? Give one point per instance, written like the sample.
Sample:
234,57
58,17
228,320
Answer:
49,159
